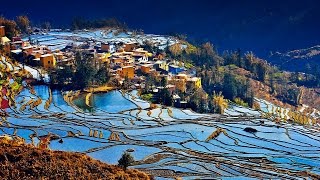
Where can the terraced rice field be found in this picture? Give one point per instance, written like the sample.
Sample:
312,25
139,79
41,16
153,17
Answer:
168,142
57,40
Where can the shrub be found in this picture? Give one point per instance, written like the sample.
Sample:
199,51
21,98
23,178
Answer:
147,97
125,160
240,102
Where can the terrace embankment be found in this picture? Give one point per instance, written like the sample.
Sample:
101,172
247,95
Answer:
100,89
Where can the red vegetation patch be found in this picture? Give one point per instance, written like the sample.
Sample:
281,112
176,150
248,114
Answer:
4,104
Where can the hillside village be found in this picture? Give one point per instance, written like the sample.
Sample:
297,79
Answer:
125,59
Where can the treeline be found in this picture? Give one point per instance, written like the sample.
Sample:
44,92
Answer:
22,24
232,73
79,23
14,27
83,75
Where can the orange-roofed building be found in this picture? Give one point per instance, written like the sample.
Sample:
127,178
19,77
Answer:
127,71
129,47
179,82
48,61
27,50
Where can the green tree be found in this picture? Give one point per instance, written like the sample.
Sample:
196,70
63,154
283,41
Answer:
229,86
165,97
163,82
85,71
126,160
23,23
102,76
199,101
64,75
262,71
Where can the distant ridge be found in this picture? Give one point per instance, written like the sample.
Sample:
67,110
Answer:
297,60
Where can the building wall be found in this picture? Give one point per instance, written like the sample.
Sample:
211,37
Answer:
180,84
28,51
194,84
37,55
48,61
129,47
105,47
2,31
127,72
118,61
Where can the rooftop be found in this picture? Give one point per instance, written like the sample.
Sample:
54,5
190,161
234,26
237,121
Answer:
46,55
4,39
193,79
127,67
182,75
174,66
27,47
159,62
16,51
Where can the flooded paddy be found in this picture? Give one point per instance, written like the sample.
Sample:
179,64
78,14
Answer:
168,142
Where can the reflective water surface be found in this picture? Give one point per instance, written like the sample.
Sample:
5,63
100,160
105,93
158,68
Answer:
168,144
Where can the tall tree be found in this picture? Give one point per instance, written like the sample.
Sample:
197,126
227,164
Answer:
23,23
220,104
102,76
261,71
229,86
126,160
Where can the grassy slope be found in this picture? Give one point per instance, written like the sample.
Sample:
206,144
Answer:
27,162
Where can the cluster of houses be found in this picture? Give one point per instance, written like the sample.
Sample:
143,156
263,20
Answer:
133,62
124,60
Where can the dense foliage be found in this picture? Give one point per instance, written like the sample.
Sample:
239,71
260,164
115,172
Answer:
81,23
83,75
11,27
232,73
